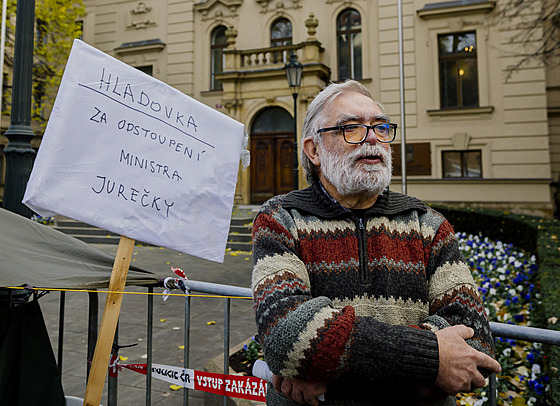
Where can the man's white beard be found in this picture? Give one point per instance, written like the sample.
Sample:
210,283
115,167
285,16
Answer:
349,177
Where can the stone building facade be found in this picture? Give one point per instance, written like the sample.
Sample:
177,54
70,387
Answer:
476,134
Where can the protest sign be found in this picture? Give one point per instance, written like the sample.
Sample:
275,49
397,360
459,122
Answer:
125,152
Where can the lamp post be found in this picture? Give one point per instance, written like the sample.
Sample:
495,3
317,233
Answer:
294,69
19,154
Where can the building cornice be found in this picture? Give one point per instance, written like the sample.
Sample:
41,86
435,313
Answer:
152,45
461,111
455,8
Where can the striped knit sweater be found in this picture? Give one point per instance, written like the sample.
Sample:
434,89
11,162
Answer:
356,303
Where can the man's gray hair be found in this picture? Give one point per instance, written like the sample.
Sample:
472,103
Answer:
315,117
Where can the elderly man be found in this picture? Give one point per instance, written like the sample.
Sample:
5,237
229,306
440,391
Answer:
361,293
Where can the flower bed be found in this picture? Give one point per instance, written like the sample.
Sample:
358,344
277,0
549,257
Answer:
507,282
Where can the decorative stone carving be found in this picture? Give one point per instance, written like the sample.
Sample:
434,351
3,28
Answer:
311,23
141,16
231,34
269,6
227,8
460,141
141,8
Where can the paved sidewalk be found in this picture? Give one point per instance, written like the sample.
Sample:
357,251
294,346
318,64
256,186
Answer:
206,338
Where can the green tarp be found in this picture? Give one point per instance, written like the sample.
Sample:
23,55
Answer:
38,255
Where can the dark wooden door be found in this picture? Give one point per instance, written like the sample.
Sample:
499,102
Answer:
271,166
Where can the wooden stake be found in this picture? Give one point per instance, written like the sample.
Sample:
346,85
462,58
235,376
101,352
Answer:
102,354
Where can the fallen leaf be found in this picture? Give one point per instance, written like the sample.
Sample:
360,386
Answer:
210,323
122,358
175,387
181,347
518,402
162,320
553,320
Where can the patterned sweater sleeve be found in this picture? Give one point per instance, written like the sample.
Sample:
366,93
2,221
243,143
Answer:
305,337
453,294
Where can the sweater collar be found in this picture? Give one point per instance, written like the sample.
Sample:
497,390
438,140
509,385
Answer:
317,201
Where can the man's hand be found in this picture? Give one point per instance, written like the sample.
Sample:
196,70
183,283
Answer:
459,362
299,391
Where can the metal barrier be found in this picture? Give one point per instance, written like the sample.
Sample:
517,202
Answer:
530,334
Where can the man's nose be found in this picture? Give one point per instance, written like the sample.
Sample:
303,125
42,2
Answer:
370,136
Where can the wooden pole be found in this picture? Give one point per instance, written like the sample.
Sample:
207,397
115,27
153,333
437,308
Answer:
102,354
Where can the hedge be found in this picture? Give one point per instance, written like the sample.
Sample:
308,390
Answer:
537,235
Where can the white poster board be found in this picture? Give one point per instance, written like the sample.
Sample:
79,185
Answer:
125,152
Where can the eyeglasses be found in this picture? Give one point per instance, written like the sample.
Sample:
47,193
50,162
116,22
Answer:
357,133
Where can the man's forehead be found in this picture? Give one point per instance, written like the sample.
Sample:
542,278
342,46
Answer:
354,103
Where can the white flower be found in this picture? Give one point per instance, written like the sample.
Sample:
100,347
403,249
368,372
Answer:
520,288
512,292
536,369
492,291
531,401
480,402
507,352
502,277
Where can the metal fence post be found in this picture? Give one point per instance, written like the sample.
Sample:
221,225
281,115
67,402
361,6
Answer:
186,344
61,329
226,338
92,328
113,381
149,346
492,390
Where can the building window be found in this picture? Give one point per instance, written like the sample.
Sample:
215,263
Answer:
41,32
147,69
219,43
462,164
39,99
349,40
281,33
280,36
458,77
2,166
6,90
79,32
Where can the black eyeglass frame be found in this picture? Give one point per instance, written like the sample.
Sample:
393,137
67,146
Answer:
343,127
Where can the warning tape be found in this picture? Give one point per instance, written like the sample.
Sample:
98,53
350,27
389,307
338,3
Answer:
234,386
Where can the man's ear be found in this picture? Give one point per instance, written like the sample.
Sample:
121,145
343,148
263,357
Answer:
310,149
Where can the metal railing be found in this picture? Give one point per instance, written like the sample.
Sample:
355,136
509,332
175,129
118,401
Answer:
529,334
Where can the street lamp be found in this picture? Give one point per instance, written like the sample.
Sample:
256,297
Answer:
19,154
294,69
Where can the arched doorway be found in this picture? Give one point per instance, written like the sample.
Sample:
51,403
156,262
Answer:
271,154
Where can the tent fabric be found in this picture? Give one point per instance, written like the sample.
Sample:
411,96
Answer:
28,371
38,255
